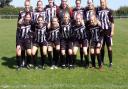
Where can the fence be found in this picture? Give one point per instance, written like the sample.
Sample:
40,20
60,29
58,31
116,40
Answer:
16,16
8,16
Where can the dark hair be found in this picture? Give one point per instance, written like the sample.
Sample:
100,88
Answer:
41,17
27,13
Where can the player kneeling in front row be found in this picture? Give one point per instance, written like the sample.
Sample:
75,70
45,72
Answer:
23,39
80,37
96,38
40,41
53,38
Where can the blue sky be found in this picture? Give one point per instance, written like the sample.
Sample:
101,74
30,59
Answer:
113,4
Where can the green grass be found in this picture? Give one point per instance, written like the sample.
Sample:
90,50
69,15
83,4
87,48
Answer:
79,78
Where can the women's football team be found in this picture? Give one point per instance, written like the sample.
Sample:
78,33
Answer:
60,32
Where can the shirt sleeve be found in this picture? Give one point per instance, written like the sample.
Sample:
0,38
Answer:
111,18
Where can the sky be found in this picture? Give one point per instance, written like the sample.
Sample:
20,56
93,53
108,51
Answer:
113,4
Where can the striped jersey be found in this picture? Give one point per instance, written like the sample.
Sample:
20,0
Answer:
78,11
53,34
66,31
106,17
40,33
79,32
95,33
50,12
37,14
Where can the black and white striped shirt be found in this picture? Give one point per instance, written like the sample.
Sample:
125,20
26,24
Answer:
50,12
95,33
87,13
40,33
79,32
53,34
24,32
65,31
78,11
22,14
37,14
105,16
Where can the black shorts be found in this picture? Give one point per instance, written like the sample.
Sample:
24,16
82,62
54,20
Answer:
94,44
107,39
25,44
37,44
54,43
66,44
84,43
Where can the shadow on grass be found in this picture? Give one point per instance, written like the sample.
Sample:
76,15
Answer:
10,62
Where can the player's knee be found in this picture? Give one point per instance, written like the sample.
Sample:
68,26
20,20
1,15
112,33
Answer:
97,51
33,51
92,51
50,49
85,51
45,50
58,47
110,48
18,51
29,52
75,50
63,52
70,51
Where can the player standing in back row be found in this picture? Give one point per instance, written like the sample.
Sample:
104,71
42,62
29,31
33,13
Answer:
105,16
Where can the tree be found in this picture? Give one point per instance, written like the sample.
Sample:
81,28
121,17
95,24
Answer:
4,3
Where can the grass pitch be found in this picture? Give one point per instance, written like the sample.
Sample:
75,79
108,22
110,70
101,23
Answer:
78,78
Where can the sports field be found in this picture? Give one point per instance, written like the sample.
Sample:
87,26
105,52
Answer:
79,78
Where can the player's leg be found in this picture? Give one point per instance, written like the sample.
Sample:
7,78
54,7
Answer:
29,56
98,55
28,49
57,54
81,54
70,58
43,55
102,52
92,53
50,54
63,58
109,47
75,49
34,56
18,56
85,51
23,58
63,53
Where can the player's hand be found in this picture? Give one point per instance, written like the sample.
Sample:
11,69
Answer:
112,33
20,21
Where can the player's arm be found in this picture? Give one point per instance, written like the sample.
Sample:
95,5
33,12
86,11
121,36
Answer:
111,18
